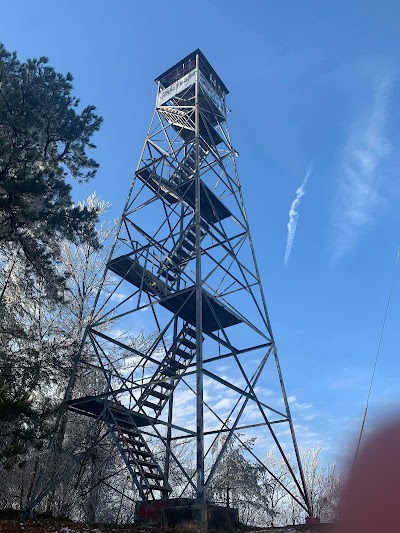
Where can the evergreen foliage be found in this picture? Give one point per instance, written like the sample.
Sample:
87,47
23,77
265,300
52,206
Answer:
44,136
43,141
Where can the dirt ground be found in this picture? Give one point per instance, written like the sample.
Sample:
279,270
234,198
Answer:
61,526
66,526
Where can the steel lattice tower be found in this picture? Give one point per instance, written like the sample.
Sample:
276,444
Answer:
183,266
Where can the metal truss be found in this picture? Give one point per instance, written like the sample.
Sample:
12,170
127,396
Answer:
183,268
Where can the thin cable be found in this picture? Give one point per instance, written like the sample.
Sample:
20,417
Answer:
377,353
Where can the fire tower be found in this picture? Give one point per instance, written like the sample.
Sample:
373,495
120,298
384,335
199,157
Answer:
183,268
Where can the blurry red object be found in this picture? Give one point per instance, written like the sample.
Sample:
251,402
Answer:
371,499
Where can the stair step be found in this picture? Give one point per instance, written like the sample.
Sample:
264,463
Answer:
157,394
181,353
146,463
172,267
181,253
153,475
128,444
175,365
152,405
188,343
168,372
167,385
134,446
158,487
182,170
176,269
133,452
130,431
190,332
188,245
131,440
137,446
166,274
177,260
142,453
191,236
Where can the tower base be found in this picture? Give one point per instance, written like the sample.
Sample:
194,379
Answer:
170,513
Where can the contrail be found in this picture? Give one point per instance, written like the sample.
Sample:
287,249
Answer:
294,215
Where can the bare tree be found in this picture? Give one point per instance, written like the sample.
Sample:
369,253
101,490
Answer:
323,484
32,381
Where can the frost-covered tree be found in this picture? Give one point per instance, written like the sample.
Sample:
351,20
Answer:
38,336
323,483
236,482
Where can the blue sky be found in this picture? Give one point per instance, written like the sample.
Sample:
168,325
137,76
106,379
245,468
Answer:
313,86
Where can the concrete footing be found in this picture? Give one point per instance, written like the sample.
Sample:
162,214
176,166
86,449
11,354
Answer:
170,513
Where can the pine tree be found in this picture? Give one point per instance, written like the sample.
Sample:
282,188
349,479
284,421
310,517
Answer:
43,141
44,135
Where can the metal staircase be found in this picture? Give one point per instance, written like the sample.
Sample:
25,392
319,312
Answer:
174,365
136,454
183,251
187,168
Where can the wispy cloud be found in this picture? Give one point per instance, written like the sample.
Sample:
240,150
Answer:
294,215
294,404
350,380
309,417
118,297
365,149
